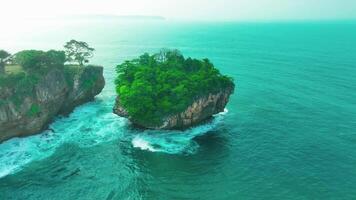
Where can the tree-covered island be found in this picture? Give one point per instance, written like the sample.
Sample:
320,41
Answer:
168,91
37,85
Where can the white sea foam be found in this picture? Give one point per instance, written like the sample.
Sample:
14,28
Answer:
88,125
138,142
174,142
92,124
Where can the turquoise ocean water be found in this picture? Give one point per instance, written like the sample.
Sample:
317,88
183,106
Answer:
289,131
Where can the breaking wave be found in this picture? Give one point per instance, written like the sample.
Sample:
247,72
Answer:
90,125
174,142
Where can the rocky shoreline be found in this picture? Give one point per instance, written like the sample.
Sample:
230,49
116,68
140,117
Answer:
54,94
201,109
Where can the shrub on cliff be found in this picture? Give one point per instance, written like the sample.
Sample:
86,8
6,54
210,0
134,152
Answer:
33,60
54,58
155,86
21,85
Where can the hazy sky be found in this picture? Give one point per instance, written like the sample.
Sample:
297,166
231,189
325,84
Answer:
185,9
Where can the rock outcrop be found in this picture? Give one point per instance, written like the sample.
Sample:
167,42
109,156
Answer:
55,93
201,109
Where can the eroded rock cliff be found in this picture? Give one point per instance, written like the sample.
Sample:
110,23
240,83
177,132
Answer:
56,92
201,109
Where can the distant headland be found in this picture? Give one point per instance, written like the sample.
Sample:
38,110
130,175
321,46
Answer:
100,17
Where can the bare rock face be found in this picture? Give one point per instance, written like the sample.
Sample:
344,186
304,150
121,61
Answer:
52,95
201,109
86,85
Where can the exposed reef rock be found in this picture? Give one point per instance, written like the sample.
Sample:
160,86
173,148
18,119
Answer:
201,109
56,92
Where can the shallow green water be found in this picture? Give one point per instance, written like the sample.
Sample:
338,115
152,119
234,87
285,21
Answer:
289,132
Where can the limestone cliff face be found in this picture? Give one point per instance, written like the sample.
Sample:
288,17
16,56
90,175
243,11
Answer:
201,109
52,95
86,85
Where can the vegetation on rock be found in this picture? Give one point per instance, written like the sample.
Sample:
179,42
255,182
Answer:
35,60
153,87
38,85
34,110
26,69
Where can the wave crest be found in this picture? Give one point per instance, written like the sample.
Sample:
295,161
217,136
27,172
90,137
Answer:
174,142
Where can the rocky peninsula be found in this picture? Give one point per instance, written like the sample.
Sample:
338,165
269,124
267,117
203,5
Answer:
167,91
39,87
55,93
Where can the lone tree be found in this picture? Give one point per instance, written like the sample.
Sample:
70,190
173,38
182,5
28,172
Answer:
77,51
4,57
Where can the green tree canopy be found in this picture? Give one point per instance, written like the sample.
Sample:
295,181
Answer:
155,86
55,58
32,60
77,51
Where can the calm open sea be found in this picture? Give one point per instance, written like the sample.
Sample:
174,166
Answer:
289,131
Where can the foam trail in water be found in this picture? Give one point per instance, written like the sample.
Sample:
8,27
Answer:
174,142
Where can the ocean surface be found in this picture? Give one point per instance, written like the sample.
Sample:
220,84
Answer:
289,130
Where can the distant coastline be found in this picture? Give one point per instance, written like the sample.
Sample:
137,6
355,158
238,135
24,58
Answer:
101,17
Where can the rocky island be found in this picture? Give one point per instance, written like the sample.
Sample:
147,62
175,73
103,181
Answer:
38,86
168,91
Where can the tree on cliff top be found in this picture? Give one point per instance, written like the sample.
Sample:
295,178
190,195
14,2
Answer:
34,60
4,57
77,51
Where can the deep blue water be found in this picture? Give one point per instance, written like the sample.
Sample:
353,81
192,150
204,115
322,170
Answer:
289,131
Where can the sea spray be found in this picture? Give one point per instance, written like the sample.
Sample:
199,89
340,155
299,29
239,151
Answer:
139,142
